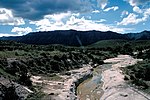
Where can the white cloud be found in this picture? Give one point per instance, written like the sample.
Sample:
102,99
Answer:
73,22
44,22
6,34
21,31
96,11
124,13
114,8
137,9
137,2
7,18
146,14
100,21
58,17
102,3
51,19
130,19
135,19
142,14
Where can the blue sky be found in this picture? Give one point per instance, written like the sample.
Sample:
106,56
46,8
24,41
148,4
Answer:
19,17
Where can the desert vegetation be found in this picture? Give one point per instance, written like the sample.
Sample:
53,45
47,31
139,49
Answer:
18,62
138,74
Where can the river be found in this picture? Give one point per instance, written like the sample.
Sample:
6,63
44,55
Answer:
91,88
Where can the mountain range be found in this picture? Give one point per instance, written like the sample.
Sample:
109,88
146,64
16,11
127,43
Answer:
75,38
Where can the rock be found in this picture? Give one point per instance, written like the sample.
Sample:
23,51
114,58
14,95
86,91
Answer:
52,94
21,91
68,73
126,77
12,89
92,69
123,95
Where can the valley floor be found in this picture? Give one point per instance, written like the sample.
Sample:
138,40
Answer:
114,86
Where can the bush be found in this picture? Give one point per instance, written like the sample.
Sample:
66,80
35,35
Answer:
9,93
139,73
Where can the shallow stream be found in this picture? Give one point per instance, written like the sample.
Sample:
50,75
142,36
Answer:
90,89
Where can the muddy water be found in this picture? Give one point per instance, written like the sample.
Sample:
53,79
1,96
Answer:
90,89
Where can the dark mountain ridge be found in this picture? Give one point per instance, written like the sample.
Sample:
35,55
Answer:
144,35
74,38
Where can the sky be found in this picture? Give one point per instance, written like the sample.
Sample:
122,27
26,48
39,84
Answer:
20,17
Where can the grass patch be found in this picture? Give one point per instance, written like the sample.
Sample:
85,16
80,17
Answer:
7,75
138,74
52,77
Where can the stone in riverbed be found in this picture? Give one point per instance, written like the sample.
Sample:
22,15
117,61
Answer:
123,94
51,93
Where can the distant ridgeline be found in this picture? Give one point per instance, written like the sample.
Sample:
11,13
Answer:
75,38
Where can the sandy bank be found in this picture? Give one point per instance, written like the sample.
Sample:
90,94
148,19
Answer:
115,88
63,89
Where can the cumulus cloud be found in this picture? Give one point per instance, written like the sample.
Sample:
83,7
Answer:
37,9
73,22
124,13
114,8
100,21
95,11
137,2
7,18
130,19
137,9
58,17
146,14
102,3
21,31
135,19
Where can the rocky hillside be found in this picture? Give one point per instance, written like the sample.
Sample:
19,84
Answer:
75,38
69,37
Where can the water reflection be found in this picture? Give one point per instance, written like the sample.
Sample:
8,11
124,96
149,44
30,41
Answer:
90,89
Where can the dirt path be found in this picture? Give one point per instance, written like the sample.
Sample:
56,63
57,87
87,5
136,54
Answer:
114,86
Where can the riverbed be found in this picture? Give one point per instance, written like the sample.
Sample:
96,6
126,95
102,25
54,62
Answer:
108,82
91,88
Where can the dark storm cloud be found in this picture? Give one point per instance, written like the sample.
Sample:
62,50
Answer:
36,9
